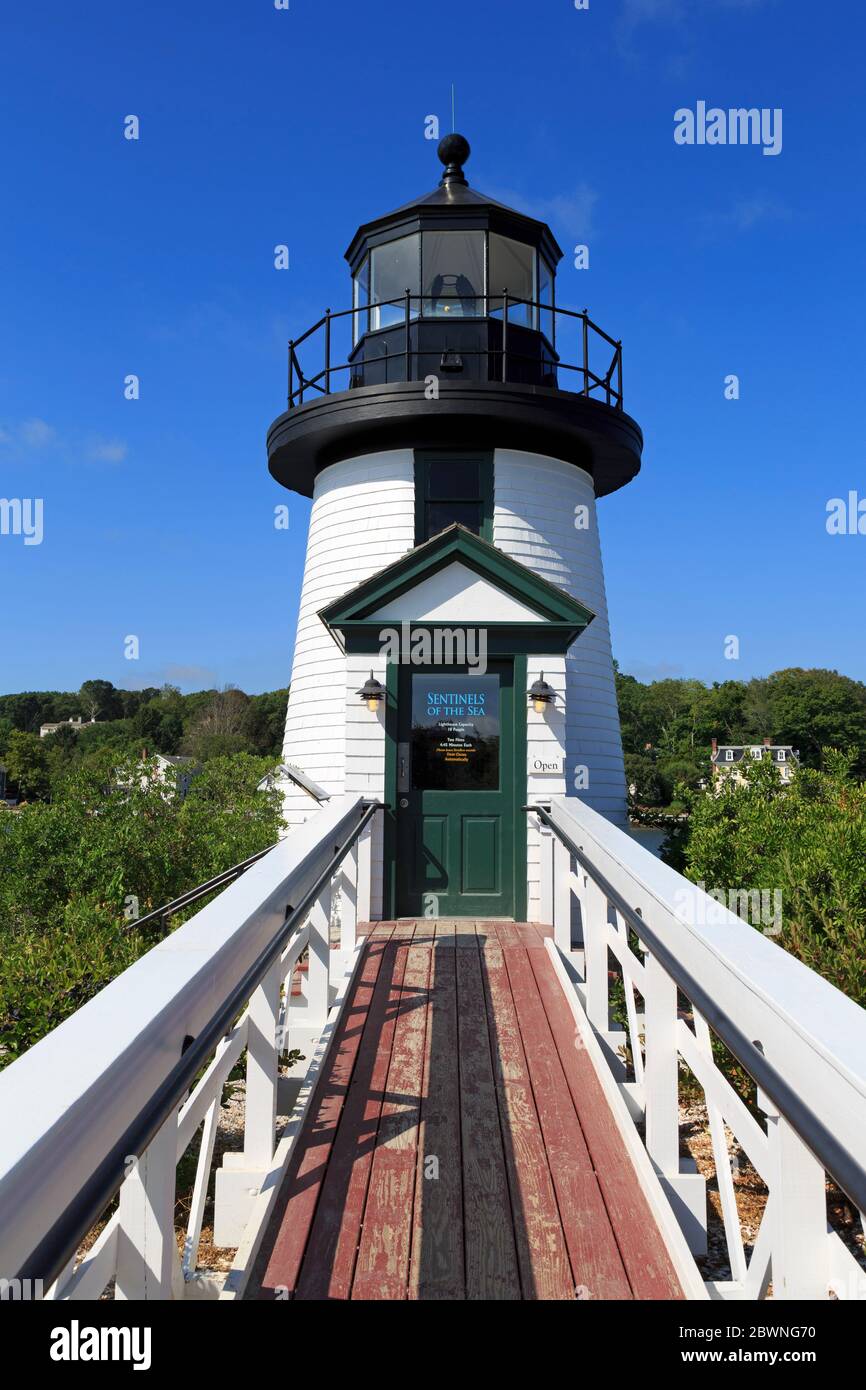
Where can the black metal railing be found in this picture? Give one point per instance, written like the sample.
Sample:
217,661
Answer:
192,895
527,341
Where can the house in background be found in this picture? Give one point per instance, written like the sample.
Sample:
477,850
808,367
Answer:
76,724
728,759
2,782
174,772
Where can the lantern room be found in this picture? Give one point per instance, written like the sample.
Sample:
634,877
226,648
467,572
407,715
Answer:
438,283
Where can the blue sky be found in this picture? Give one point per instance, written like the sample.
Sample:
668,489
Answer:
261,127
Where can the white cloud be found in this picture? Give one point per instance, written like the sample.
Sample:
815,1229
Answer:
746,214
35,433
108,450
569,213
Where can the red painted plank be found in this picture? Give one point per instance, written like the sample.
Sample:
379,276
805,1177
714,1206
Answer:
648,1265
380,931
545,1270
382,1268
404,930
436,1270
329,1265
491,1258
303,1183
529,935
507,933
595,1259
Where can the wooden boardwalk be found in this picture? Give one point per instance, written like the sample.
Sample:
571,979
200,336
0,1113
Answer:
459,1145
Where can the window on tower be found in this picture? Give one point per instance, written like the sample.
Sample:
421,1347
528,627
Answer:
512,268
360,299
545,296
453,275
453,487
394,269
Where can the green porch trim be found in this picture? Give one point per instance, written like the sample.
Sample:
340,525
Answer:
521,868
456,544
533,639
389,837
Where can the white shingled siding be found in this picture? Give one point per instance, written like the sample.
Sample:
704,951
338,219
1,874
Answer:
545,742
536,498
363,518
365,754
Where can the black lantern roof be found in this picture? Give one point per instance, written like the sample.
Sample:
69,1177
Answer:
454,204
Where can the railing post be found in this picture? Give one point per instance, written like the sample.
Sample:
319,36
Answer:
595,957
662,1069
148,1264
684,1186
291,370
327,352
349,900
365,872
561,895
239,1178
585,355
505,335
318,977
408,333
619,371
798,1209
546,843
262,1055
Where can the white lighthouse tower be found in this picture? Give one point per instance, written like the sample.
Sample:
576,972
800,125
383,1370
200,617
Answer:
454,428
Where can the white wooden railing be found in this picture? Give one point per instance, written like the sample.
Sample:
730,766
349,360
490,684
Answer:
692,969
111,1099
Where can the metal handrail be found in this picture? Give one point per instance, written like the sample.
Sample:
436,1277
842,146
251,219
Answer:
60,1243
193,894
412,306
842,1167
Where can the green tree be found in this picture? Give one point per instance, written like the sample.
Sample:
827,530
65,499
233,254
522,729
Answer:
76,874
808,840
100,700
645,787
812,709
27,766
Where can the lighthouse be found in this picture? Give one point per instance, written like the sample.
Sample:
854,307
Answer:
454,426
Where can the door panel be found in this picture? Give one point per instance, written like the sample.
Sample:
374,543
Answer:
430,861
481,854
455,807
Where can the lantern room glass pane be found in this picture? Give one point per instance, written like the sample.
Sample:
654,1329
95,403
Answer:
512,268
453,279
360,299
545,296
395,268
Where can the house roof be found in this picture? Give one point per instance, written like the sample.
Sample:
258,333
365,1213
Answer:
740,750
546,608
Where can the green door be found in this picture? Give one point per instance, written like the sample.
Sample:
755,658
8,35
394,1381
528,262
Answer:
457,792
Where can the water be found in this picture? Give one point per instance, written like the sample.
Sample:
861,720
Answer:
650,836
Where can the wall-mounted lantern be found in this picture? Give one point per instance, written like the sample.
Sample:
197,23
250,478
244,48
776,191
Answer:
372,692
541,694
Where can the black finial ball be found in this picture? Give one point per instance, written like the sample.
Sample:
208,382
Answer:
454,149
